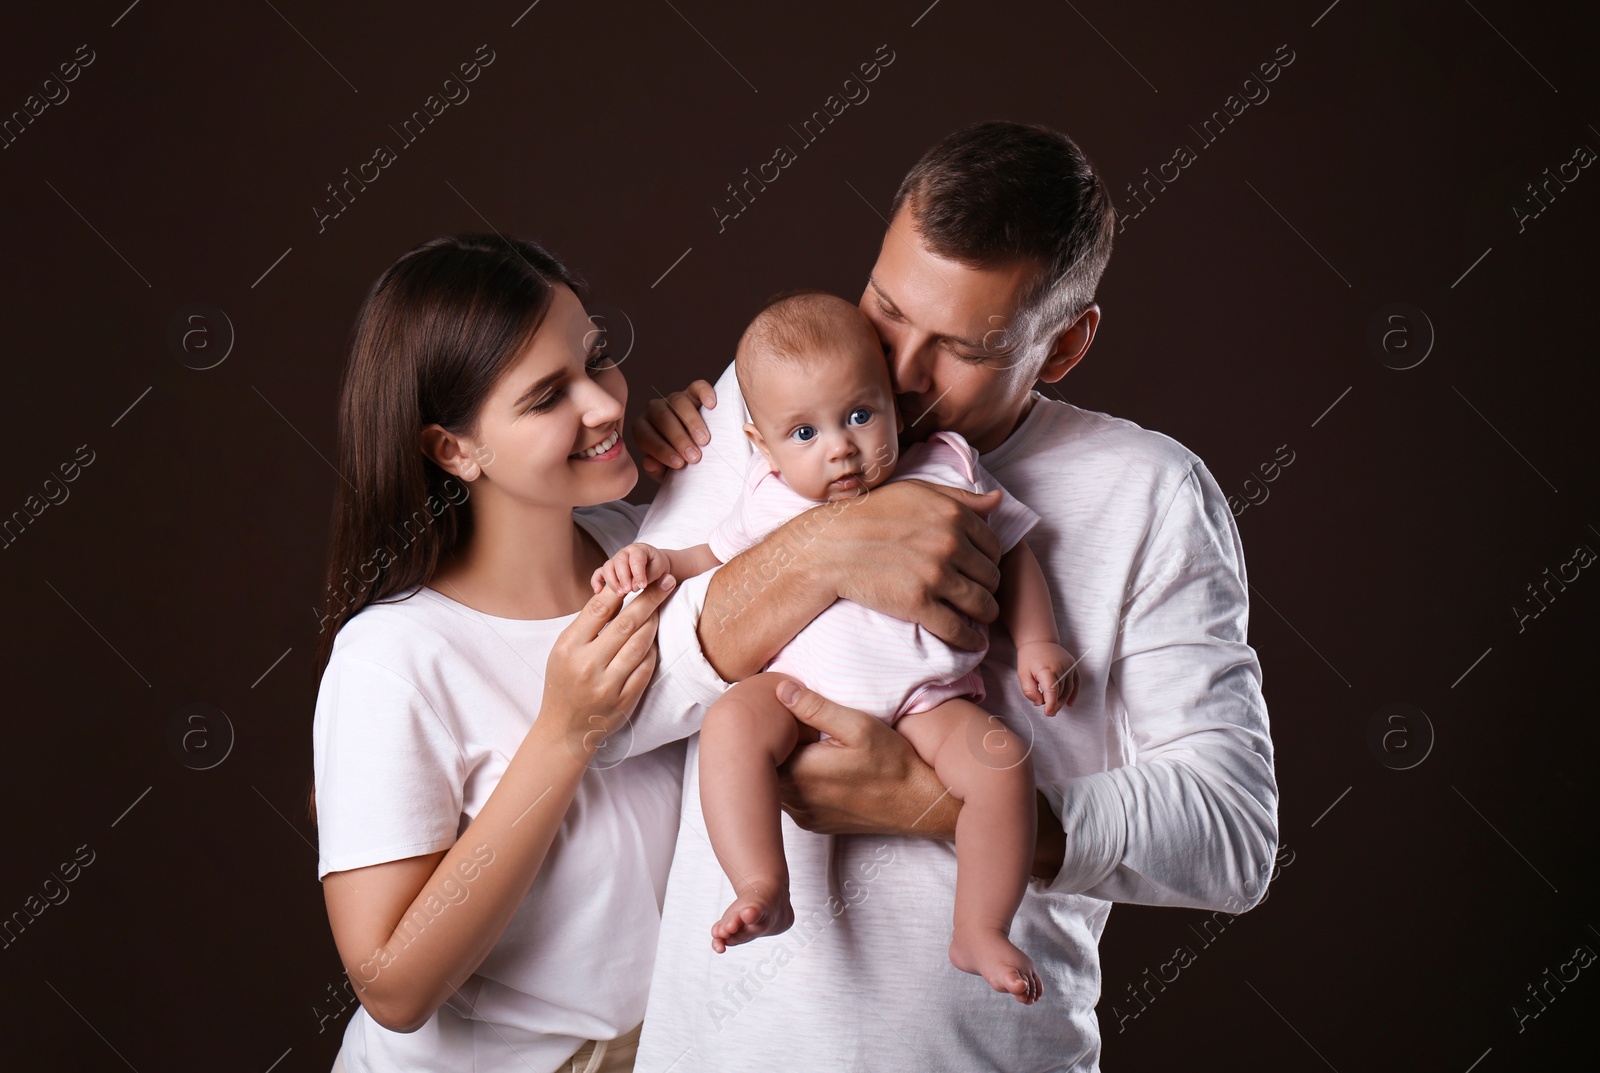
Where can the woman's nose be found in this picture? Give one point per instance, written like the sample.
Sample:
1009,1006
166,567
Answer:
600,406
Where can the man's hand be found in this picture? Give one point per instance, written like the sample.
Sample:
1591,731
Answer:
916,551
867,779
669,429
912,550
864,779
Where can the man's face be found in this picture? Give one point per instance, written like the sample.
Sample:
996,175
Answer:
947,329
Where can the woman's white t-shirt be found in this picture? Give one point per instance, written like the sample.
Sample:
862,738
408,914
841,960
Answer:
422,705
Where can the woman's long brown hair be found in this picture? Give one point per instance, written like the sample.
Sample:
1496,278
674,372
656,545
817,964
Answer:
434,334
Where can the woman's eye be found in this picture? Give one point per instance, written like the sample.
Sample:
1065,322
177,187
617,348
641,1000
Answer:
804,434
548,402
600,362
860,416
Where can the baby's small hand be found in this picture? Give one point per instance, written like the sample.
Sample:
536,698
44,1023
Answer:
631,569
1047,672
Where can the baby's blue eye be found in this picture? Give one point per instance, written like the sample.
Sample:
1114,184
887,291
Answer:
804,434
860,416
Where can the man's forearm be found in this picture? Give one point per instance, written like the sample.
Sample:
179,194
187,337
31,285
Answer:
1050,842
759,600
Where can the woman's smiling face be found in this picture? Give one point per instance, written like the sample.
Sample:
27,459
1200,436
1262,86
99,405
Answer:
550,432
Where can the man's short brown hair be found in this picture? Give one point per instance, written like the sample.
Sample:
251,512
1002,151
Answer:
998,192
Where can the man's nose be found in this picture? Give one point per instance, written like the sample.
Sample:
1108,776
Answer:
908,365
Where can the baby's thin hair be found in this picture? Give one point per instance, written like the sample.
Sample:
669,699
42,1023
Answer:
794,326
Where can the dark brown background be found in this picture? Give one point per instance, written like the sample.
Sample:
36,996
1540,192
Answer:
1416,910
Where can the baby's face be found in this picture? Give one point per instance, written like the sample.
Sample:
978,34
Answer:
831,427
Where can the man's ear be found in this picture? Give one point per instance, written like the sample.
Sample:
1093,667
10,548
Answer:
1070,345
451,453
758,441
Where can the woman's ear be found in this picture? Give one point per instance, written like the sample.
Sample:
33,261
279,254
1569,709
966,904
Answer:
753,434
451,453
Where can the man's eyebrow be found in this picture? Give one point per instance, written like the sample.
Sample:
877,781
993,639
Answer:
538,386
968,343
884,297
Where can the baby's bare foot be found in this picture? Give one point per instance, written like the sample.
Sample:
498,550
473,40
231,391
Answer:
753,916
986,952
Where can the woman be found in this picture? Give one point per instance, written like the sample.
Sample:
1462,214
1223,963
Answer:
493,894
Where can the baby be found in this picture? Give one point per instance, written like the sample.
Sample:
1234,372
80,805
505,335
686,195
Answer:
825,428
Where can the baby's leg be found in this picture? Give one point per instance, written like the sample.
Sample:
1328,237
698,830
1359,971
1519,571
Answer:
986,767
746,735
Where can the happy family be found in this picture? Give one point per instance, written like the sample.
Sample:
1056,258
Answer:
835,755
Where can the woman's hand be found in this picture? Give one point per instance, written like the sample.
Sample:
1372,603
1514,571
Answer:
598,667
669,429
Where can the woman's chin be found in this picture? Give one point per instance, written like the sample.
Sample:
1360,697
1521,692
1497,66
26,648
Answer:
620,477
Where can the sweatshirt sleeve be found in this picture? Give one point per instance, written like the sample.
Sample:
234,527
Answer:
690,503
684,685
1193,820
695,498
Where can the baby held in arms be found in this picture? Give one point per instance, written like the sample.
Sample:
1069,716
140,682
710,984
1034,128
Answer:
826,430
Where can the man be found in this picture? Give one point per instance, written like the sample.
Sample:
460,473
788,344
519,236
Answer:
1156,786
